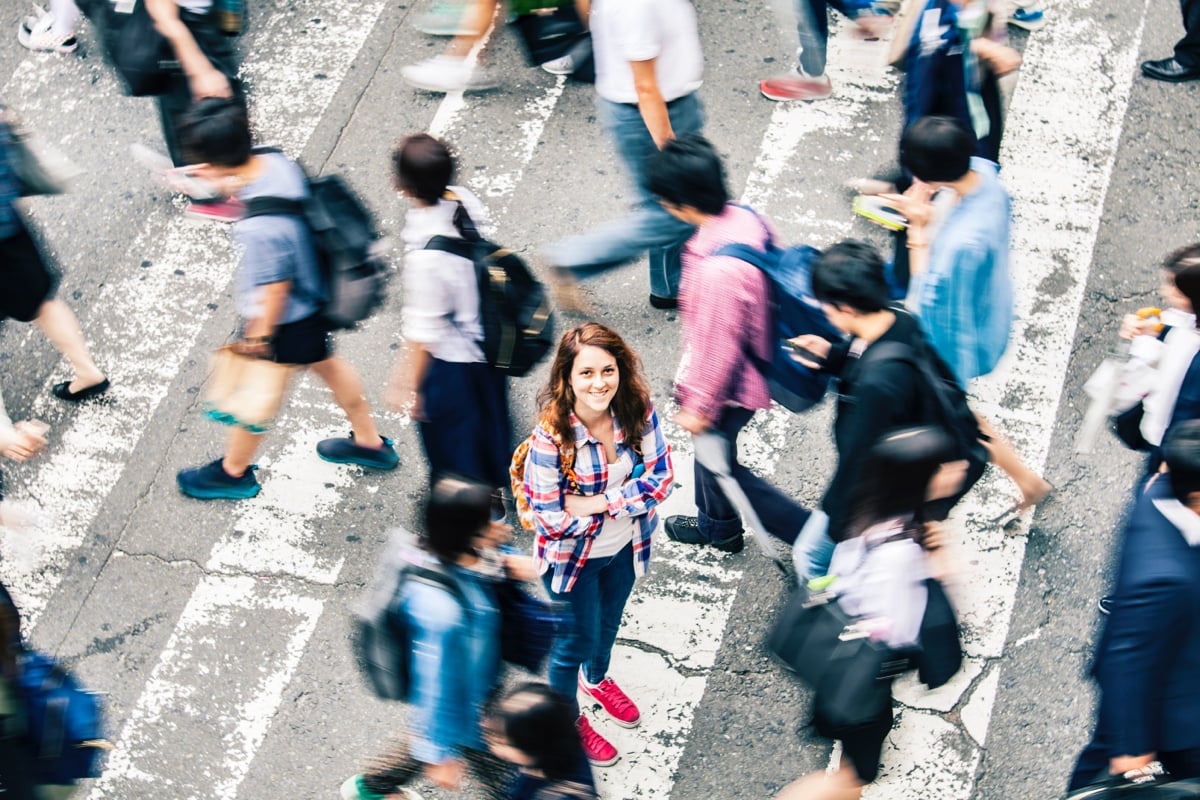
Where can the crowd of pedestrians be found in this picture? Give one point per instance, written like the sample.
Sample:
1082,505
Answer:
903,335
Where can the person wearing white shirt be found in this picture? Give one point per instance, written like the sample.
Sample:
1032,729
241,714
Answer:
649,66
459,401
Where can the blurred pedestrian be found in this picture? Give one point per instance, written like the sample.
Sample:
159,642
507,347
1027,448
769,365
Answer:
649,66
1170,342
533,728
18,442
596,470
718,387
455,658
453,70
961,287
1148,655
28,286
16,756
279,291
808,80
894,392
881,565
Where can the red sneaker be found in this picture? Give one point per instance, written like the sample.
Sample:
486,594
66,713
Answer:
796,86
599,751
613,700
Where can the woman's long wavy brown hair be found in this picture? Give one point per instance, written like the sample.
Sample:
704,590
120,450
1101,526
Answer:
631,404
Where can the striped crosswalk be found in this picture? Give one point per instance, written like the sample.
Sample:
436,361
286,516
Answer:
237,681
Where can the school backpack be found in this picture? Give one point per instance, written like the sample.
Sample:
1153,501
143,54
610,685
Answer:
380,637
64,722
350,250
514,307
793,312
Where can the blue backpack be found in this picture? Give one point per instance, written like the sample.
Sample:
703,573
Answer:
794,312
64,721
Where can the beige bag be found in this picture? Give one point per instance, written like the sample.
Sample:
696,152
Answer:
245,391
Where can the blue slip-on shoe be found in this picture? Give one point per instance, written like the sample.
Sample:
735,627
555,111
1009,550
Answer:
212,482
1031,19
345,451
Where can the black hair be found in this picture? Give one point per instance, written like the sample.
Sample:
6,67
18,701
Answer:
423,167
539,722
216,130
458,510
851,274
1181,451
937,149
894,481
688,172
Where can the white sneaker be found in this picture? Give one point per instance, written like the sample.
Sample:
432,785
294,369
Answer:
37,33
560,66
177,179
445,73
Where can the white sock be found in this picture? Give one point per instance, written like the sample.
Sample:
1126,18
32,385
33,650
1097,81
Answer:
66,17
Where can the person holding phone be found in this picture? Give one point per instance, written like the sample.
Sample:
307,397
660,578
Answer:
597,468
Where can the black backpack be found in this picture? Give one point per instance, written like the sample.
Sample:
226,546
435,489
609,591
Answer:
949,405
514,307
350,249
380,636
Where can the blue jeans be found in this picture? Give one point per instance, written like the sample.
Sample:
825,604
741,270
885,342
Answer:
812,24
647,226
466,427
813,549
591,617
717,518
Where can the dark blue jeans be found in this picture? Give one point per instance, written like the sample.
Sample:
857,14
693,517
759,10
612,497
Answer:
812,24
466,428
1092,764
782,516
592,615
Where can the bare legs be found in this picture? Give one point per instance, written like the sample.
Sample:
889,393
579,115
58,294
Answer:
60,326
1034,487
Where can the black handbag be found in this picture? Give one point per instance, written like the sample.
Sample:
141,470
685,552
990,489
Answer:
851,673
1128,427
1118,788
528,626
940,656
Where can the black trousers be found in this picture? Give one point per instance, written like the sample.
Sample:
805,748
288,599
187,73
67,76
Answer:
1187,49
219,50
1093,762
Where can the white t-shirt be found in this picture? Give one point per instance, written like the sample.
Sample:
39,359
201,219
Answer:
441,293
616,532
195,6
639,30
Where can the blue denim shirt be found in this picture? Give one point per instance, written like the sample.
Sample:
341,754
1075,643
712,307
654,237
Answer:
456,662
965,298
9,191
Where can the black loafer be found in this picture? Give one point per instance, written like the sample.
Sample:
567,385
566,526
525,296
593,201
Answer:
1168,69
664,303
63,391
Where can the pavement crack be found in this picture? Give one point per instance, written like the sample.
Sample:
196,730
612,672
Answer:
672,661
232,573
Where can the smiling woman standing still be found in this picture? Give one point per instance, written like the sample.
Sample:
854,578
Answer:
598,467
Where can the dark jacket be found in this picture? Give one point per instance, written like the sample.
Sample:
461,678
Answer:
1147,661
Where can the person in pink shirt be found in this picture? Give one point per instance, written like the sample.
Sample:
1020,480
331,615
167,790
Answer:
722,305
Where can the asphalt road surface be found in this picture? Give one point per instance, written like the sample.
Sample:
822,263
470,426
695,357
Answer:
219,629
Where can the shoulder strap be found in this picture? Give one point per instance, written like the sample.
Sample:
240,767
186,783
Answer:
898,351
273,207
454,246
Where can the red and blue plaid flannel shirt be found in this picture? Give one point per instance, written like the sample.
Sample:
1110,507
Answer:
564,541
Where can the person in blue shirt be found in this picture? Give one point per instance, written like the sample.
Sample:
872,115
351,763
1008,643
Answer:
455,657
960,287
533,727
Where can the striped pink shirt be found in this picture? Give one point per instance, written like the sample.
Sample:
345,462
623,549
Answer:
723,306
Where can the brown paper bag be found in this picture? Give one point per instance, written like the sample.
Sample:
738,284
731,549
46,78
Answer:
245,391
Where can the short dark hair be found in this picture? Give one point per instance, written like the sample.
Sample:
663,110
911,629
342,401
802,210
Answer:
1187,281
895,477
688,172
1181,451
216,130
937,149
458,510
851,274
424,167
540,723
